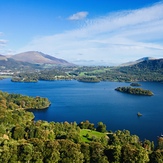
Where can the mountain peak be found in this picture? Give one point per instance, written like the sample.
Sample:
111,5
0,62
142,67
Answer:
36,57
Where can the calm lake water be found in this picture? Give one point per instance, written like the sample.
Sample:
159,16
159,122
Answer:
77,101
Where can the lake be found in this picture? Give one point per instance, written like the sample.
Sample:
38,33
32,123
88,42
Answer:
77,101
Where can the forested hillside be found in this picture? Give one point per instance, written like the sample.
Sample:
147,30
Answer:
24,140
148,70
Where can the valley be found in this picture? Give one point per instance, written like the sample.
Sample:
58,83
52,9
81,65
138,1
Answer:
38,66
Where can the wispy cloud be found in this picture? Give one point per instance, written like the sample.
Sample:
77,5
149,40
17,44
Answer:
115,38
78,15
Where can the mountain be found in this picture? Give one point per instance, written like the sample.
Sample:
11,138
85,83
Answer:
137,61
151,64
146,70
3,58
145,64
40,58
13,65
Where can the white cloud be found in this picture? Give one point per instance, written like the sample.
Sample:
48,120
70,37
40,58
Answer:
78,15
116,38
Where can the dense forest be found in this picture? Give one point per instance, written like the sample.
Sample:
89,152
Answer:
134,91
23,140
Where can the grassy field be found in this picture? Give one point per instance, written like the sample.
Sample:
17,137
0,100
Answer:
87,135
5,76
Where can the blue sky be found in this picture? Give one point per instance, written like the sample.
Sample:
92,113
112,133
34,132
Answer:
85,32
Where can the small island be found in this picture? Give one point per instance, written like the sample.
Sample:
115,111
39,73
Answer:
135,91
135,84
139,114
91,79
25,80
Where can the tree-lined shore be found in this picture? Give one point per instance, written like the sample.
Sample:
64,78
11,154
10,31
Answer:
24,140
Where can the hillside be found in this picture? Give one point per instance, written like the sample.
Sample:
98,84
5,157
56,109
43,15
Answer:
147,65
36,57
147,70
137,61
13,65
156,64
3,58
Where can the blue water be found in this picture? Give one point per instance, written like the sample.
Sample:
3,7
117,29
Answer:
77,101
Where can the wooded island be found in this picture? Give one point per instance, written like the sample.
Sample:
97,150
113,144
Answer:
134,91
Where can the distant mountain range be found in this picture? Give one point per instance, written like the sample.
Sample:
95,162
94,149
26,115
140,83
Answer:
38,60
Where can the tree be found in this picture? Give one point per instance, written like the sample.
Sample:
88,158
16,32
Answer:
133,154
51,152
156,157
97,154
113,153
25,152
18,132
70,152
101,127
85,149
86,125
